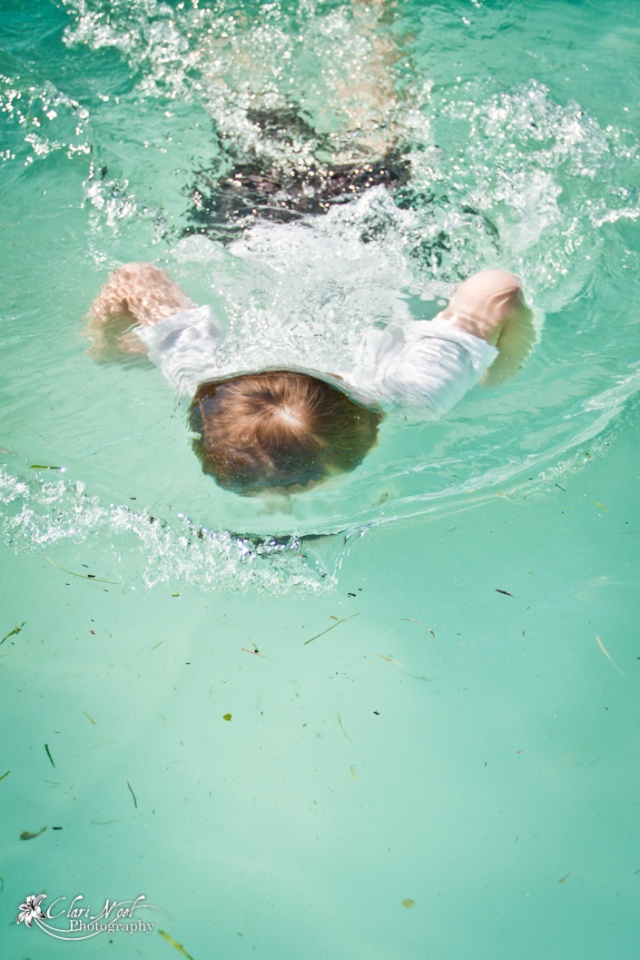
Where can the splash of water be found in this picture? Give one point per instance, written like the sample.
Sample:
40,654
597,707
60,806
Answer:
508,176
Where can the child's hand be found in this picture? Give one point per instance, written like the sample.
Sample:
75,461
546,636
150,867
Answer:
141,291
136,293
113,339
515,343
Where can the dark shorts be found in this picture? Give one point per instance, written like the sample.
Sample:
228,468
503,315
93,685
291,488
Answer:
255,188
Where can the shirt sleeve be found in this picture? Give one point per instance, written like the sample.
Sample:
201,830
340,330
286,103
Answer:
426,365
184,346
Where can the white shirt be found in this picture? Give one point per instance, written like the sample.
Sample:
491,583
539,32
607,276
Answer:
428,365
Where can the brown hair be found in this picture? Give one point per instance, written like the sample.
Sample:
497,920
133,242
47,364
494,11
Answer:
278,429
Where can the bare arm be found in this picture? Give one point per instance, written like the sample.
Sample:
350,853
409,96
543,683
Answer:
515,343
490,305
136,293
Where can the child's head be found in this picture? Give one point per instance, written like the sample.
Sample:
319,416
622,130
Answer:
278,429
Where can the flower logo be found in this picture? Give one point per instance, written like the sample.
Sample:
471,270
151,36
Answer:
31,909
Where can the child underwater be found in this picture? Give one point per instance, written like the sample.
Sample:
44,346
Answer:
284,430
288,428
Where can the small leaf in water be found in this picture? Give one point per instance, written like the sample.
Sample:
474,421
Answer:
175,944
419,622
27,835
83,576
332,627
609,657
407,903
13,633
343,729
227,716
135,799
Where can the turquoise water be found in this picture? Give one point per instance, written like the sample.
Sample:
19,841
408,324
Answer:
448,771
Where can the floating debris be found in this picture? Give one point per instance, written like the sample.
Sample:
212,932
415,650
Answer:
135,802
566,877
407,903
506,592
255,651
27,835
227,716
5,774
420,624
390,660
13,633
173,943
83,576
332,627
44,466
609,657
46,746
343,729
89,717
